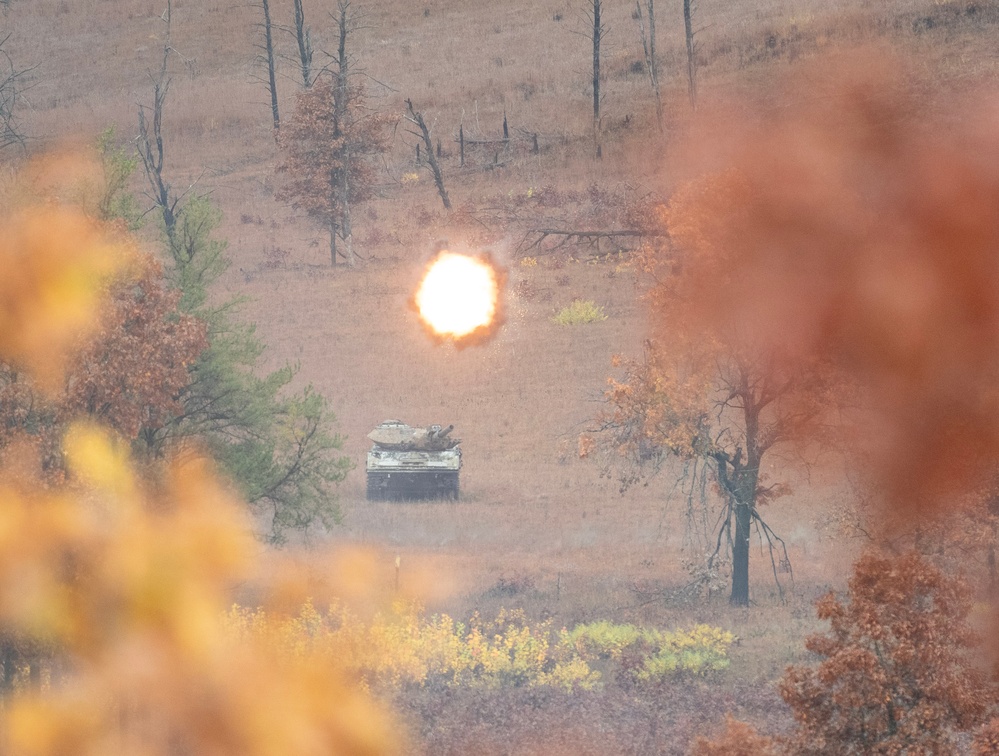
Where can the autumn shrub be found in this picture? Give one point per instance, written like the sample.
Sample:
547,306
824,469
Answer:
894,672
579,312
894,675
402,647
737,739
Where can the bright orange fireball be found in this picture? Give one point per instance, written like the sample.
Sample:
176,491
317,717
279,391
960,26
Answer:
458,295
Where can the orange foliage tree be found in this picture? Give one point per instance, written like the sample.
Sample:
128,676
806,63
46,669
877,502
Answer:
131,369
328,144
709,393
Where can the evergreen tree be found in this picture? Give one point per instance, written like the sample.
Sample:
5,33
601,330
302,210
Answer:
280,449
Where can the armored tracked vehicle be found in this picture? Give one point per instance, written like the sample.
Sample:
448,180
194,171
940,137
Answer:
407,463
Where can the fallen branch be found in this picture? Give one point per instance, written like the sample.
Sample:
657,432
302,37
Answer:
568,236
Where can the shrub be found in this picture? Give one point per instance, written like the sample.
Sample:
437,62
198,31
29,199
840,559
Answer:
580,312
894,673
737,739
698,651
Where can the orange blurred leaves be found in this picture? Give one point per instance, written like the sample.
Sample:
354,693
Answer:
116,582
54,260
859,227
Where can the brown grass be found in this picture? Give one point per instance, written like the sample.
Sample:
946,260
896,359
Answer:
535,526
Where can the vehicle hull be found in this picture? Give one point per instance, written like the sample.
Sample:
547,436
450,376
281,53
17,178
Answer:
395,475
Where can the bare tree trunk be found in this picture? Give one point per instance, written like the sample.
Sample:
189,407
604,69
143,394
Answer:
991,562
35,673
653,61
688,28
649,46
345,229
738,483
304,40
740,555
8,666
342,113
151,146
333,244
269,55
598,33
417,119
343,23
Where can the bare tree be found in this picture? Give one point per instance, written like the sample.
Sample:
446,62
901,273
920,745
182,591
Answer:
150,145
649,46
345,22
267,57
689,34
304,39
424,134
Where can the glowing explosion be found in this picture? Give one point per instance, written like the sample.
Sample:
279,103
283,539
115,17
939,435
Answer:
458,296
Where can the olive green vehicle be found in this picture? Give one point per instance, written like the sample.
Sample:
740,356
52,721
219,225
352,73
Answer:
409,463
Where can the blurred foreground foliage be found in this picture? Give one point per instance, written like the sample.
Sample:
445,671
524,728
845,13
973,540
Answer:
114,584
403,647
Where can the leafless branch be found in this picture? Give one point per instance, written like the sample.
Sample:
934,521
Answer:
11,89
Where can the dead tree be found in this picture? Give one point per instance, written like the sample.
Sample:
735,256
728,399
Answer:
344,20
689,33
150,145
424,134
649,46
304,39
597,36
150,148
267,58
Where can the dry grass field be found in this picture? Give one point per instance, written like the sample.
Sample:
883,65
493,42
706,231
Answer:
536,526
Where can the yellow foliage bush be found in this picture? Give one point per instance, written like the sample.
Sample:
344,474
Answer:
698,651
579,312
402,647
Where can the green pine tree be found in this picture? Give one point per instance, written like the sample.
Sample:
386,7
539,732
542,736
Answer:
279,448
